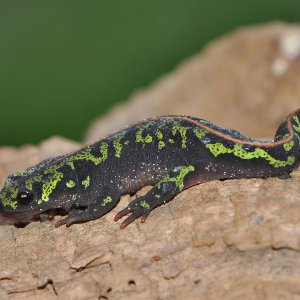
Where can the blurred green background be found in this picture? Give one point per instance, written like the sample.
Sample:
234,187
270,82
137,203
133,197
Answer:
63,63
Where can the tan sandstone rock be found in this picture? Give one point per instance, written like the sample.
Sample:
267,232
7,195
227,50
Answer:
248,80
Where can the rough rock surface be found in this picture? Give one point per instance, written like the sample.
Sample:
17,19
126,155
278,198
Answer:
235,239
247,80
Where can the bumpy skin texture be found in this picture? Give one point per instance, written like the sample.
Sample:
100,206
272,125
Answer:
169,152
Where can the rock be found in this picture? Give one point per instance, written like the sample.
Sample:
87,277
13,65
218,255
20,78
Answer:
220,240
234,239
247,80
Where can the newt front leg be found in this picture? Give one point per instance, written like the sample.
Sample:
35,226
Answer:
99,207
161,193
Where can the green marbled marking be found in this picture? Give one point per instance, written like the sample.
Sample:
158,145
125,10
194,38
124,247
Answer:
148,138
296,127
7,200
178,180
87,155
200,132
106,200
139,136
157,196
159,135
118,145
288,146
171,141
70,184
144,204
218,148
29,182
183,172
86,182
50,184
71,165
161,143
182,131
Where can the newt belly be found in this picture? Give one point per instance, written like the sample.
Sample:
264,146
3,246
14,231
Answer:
170,153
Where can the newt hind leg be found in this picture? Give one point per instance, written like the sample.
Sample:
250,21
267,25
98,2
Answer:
164,191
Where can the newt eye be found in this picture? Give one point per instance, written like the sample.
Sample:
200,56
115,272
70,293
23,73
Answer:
25,197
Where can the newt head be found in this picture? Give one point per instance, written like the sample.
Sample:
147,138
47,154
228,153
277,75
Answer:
16,200
37,192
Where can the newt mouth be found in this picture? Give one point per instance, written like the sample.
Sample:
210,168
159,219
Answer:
18,217
23,218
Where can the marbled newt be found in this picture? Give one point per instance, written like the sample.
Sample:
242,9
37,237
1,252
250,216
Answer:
171,153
